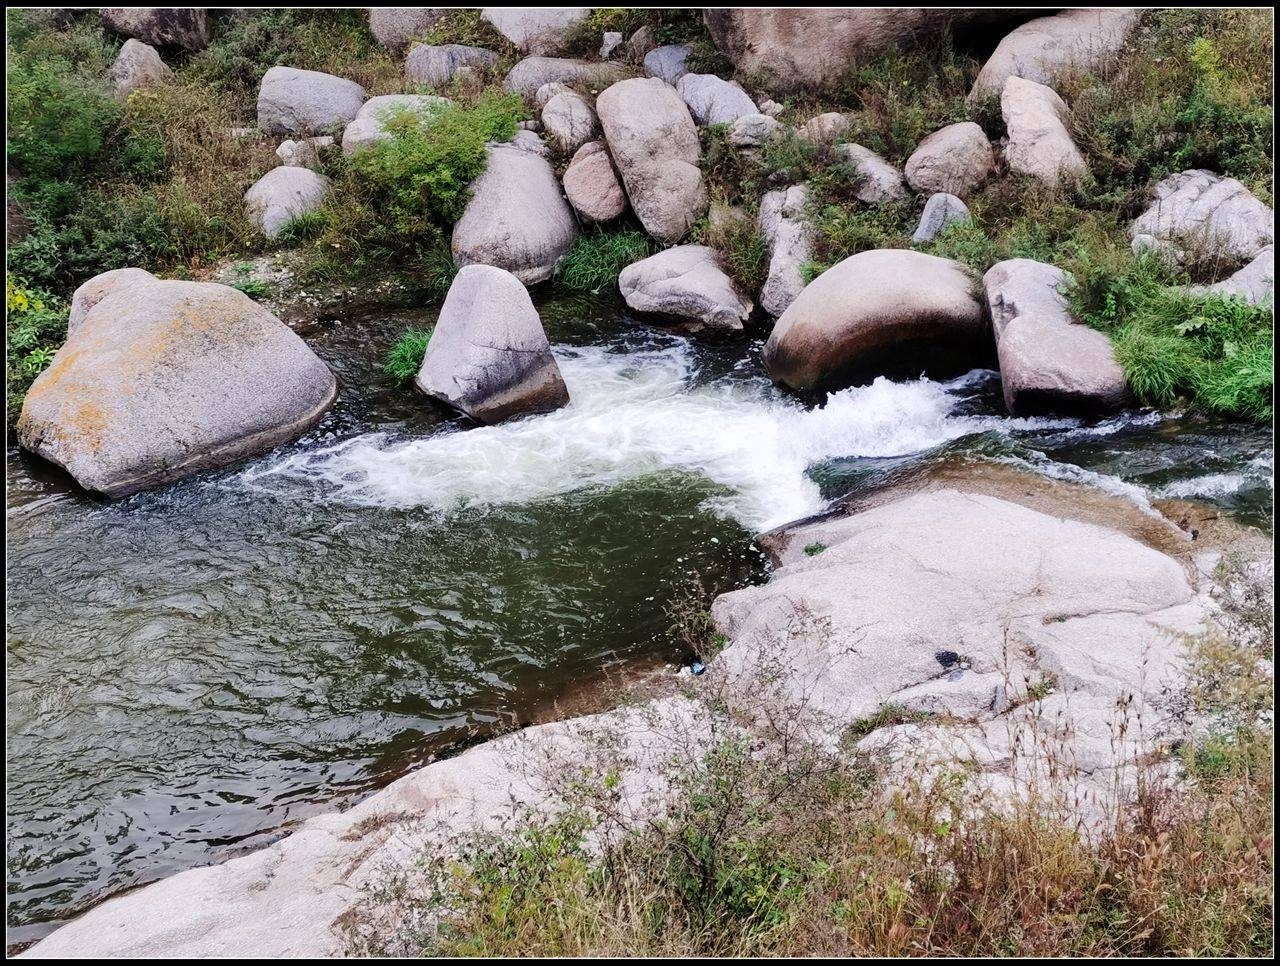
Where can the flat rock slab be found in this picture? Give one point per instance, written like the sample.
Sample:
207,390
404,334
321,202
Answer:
873,312
517,219
162,379
292,101
687,284
488,355
1199,213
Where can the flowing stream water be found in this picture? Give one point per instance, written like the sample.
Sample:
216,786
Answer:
196,668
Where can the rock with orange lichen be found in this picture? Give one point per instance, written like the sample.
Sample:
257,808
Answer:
161,379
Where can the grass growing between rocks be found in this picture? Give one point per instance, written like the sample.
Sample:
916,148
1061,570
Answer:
599,256
405,357
786,849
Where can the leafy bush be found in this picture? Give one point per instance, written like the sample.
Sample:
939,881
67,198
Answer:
598,257
36,326
740,244
405,358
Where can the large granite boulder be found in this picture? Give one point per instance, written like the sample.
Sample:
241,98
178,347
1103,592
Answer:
956,159
591,184
686,284
667,62
1049,362
161,379
531,73
570,122
292,101
1199,213
537,30
885,310
799,48
655,146
185,27
93,291
879,181
138,65
1083,39
394,27
1039,143
437,66
516,220
790,238
712,100
283,194
373,121
488,355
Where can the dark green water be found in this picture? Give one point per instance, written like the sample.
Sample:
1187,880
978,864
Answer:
196,668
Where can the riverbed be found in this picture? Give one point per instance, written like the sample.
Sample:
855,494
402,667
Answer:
194,669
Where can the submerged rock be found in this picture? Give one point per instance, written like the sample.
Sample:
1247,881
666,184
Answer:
371,124
687,284
654,143
956,159
292,101
436,66
185,27
1199,214
138,65
488,355
1039,142
281,195
939,211
517,219
592,186
1049,363
162,379
1084,39
878,311
790,239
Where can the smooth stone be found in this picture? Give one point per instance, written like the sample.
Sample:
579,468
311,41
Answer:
752,130
1039,143
790,239
957,159
370,125
570,121
1255,283
825,127
686,283
137,66
99,287
591,184
939,211
292,101
537,30
667,63
712,100
437,66
281,195
1201,213
395,27
881,181
531,73
185,27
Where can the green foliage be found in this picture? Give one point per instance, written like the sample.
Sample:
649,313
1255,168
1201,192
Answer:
405,357
843,231
739,243
1214,350
813,549
598,257
965,242
36,323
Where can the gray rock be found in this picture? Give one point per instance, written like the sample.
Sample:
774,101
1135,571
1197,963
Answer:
1199,213
1039,142
304,153
790,239
881,181
714,101
769,107
939,211
872,307
292,101
570,121
99,287
281,195
488,355
591,184
655,146
685,283
185,27
436,66
161,379
548,91
395,27
825,128
752,130
537,30
609,43
1049,362
1084,39
667,63
1255,283
516,219
531,73
138,65
956,159
370,125
530,141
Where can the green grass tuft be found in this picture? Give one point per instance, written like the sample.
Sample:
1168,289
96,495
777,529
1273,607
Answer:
597,258
405,357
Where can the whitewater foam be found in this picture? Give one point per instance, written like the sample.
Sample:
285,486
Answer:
641,412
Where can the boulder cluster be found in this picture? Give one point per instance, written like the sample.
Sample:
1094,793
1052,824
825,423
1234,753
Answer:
612,136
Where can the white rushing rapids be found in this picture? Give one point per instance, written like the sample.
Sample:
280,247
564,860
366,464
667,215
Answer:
641,412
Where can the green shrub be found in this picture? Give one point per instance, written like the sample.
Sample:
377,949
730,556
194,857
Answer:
599,256
36,323
405,357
